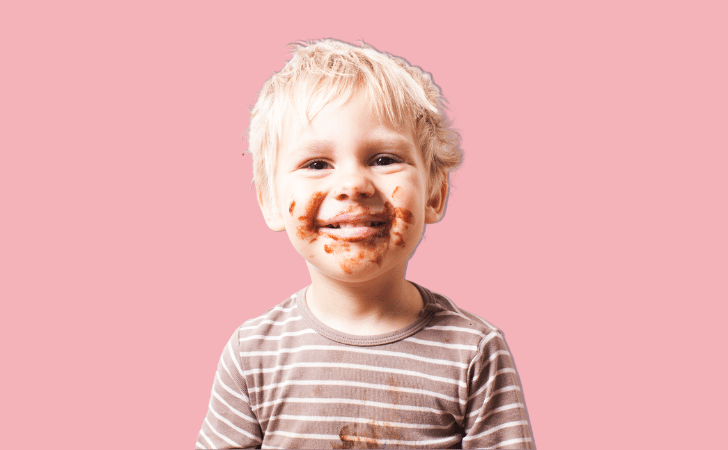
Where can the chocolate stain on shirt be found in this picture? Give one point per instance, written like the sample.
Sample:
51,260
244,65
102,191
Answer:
394,392
365,435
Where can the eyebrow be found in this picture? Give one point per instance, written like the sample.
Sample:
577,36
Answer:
315,145
391,142
320,145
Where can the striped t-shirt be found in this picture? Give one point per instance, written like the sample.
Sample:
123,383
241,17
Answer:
286,380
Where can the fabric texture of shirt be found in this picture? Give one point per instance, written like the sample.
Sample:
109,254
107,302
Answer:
286,380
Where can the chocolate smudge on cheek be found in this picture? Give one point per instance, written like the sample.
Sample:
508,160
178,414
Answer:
400,218
292,207
398,239
406,217
394,192
404,214
308,227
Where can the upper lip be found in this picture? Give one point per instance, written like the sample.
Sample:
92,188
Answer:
353,218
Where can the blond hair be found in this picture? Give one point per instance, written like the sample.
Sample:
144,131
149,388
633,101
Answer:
327,71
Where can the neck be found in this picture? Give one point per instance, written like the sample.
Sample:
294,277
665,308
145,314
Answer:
364,308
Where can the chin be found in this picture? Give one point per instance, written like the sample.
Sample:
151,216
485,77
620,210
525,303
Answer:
353,270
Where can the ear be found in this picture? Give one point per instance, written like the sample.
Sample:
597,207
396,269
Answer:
272,216
435,207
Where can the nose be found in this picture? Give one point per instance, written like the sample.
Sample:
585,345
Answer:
354,184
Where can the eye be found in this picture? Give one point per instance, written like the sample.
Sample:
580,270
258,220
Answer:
317,165
384,161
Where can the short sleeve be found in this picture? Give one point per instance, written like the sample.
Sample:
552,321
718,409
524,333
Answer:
496,414
230,422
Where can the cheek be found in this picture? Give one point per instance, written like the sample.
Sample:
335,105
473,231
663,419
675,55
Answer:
404,227
396,191
302,217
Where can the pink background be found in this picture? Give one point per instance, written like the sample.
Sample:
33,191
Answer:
588,220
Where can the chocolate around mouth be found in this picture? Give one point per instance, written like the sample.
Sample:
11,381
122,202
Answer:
373,232
371,224
356,232
354,226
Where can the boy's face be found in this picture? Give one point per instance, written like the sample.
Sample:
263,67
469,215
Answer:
352,193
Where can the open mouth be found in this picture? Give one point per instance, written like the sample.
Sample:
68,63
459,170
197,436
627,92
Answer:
353,229
355,225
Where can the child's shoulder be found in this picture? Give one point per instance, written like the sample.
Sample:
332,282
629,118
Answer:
455,324
278,322
446,312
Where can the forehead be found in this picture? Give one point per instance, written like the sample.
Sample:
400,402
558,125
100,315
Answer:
343,122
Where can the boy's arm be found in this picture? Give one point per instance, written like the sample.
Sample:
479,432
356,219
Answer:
230,422
496,413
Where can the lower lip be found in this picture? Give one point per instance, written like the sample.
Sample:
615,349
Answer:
353,234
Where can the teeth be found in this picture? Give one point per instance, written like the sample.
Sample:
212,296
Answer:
354,225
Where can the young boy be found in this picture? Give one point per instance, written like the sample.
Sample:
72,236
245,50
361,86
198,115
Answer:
351,153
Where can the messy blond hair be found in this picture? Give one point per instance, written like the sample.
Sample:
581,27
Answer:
327,71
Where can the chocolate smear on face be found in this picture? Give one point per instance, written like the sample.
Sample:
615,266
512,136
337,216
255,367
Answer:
404,214
308,228
371,249
406,217
394,192
398,240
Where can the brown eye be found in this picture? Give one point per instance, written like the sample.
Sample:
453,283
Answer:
318,165
384,161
